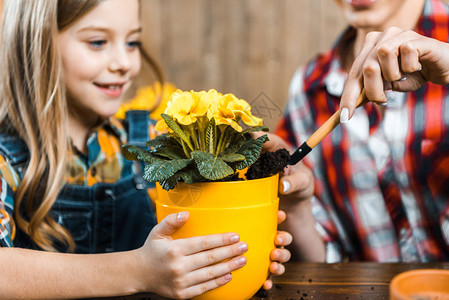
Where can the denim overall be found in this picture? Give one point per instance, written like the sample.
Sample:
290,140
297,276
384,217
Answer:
104,217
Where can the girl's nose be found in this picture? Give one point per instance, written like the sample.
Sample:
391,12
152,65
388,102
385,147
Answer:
120,60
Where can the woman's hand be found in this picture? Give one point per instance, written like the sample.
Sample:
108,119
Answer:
185,268
296,182
396,59
296,188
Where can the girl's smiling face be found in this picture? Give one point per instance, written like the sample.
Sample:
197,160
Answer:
100,57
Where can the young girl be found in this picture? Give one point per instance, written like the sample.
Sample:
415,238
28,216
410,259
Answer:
65,187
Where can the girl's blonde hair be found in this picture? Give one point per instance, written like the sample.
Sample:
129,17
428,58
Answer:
33,106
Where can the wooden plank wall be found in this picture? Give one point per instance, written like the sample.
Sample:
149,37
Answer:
248,47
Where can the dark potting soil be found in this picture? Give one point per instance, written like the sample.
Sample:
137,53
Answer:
269,164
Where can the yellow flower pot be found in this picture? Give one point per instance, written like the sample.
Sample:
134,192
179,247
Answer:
248,208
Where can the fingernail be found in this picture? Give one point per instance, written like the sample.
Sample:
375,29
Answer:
228,277
402,79
243,247
280,241
419,69
241,261
286,186
344,115
383,103
181,215
235,238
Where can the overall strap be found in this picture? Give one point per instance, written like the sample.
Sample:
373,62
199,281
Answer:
138,122
14,150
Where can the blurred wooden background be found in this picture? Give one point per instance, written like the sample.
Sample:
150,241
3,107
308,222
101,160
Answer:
248,47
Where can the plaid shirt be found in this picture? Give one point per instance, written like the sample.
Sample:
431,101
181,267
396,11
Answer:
382,181
103,163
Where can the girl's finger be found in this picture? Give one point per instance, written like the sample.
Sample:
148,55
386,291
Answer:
283,238
268,284
281,216
203,287
216,271
203,243
280,255
277,269
210,257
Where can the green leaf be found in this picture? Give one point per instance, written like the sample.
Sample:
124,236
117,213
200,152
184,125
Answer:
163,140
169,152
211,166
211,136
256,129
251,150
191,175
232,157
131,152
163,169
236,143
177,130
166,146
170,183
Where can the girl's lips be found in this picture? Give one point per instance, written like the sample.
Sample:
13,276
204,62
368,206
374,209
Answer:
113,90
361,3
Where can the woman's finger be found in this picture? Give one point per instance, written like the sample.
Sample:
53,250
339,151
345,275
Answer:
373,82
353,85
409,58
389,63
298,182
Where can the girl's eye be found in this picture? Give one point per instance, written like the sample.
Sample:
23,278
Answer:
134,44
97,44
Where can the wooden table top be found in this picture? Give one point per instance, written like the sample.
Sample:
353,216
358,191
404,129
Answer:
319,281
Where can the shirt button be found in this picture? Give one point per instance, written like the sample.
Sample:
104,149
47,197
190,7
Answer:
93,171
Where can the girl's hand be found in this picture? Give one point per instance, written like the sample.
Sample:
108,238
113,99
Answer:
279,255
396,59
185,268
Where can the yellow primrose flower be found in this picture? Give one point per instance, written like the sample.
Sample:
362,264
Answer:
145,99
186,107
229,109
241,108
222,114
